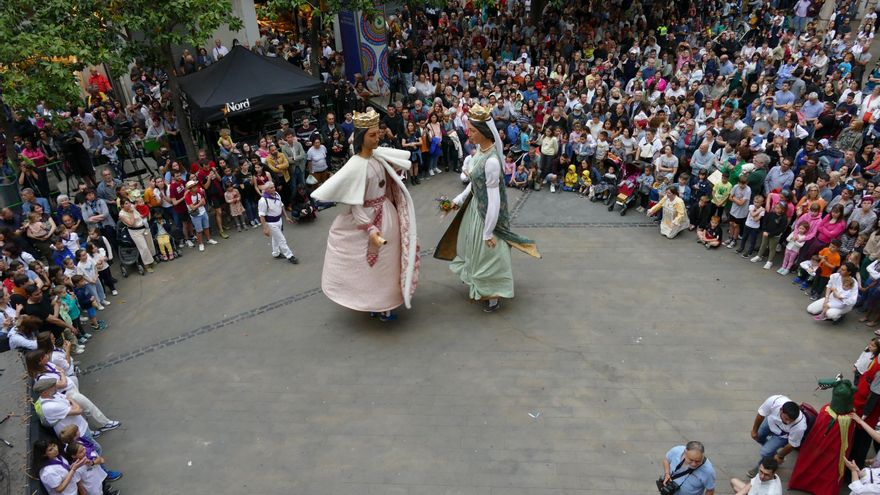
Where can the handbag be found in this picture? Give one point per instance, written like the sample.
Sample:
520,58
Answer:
435,149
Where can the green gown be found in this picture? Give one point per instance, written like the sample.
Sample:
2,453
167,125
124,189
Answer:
487,271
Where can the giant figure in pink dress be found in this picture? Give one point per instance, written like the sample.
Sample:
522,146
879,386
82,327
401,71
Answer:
372,260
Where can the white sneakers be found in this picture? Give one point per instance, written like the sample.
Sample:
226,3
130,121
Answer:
552,188
212,242
100,307
189,243
201,247
767,265
431,172
755,259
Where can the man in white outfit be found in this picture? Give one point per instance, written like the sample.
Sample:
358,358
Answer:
271,211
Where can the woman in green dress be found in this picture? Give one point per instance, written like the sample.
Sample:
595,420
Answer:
478,241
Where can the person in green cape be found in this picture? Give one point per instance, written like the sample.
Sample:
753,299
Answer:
479,239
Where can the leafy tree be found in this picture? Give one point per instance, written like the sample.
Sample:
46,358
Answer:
44,43
152,30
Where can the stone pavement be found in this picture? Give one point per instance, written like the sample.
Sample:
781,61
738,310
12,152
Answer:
13,460
232,373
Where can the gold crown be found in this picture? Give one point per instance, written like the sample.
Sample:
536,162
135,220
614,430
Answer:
479,113
365,120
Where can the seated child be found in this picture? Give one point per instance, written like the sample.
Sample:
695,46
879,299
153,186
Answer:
161,229
807,272
586,180
520,178
70,437
571,179
712,235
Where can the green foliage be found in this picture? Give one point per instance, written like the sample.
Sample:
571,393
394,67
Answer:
45,42
325,8
157,28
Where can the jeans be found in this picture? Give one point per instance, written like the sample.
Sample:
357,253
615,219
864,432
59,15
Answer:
97,290
432,161
770,443
750,237
250,209
296,178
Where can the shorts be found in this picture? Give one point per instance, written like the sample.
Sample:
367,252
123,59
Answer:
739,221
91,312
200,222
215,202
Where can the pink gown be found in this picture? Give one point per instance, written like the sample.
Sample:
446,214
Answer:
348,278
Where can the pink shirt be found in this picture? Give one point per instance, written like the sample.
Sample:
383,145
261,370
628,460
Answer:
812,223
827,231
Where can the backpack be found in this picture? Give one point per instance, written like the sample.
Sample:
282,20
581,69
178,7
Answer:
810,414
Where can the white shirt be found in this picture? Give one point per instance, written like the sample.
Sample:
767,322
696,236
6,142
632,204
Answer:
772,487
92,477
845,297
219,52
72,242
56,411
771,409
270,207
750,221
88,270
52,476
869,482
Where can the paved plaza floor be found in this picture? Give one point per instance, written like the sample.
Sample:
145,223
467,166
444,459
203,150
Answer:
232,373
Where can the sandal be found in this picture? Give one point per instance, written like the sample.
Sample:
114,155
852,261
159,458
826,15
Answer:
863,319
819,317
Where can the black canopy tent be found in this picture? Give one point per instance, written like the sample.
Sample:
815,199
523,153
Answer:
243,82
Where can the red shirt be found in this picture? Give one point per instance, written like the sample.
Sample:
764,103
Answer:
144,210
192,197
177,190
99,81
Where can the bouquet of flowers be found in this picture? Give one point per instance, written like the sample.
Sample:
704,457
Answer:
445,204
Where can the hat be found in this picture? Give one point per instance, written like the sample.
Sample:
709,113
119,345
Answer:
285,121
577,107
823,142
191,184
45,384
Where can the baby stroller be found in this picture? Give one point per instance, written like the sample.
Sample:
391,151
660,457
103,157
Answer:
128,251
626,190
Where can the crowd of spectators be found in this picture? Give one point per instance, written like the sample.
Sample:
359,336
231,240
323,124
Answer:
752,125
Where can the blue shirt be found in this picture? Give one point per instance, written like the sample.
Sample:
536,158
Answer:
26,207
696,483
812,110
